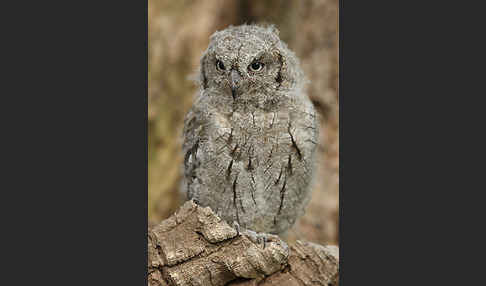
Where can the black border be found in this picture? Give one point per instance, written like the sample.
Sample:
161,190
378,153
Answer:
76,165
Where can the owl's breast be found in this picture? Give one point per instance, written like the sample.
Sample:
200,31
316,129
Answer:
255,164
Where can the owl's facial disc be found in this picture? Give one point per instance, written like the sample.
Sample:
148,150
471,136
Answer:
244,66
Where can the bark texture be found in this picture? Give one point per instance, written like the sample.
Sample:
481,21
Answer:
195,247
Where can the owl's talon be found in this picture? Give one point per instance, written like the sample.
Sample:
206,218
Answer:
264,239
259,238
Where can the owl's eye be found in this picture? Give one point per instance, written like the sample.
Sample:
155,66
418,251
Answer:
256,66
220,65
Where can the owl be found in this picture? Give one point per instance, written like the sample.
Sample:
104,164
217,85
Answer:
250,137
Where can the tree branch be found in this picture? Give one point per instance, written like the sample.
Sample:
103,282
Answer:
195,247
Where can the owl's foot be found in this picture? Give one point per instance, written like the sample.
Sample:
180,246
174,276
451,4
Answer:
259,238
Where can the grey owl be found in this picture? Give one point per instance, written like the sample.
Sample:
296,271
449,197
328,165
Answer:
250,137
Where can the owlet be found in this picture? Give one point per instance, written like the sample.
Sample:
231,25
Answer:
250,137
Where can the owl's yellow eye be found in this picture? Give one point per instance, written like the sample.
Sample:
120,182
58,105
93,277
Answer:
256,66
220,65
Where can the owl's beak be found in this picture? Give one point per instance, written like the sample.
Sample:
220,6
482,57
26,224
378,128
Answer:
235,80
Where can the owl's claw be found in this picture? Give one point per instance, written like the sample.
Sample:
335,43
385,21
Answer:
259,238
262,237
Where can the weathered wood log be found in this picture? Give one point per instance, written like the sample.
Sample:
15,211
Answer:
195,247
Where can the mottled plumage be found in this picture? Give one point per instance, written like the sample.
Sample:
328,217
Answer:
250,138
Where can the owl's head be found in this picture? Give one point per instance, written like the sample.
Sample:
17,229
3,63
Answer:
249,61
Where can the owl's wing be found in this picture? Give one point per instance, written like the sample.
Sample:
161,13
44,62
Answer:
193,128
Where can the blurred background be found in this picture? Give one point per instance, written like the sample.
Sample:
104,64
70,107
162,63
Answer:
178,35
